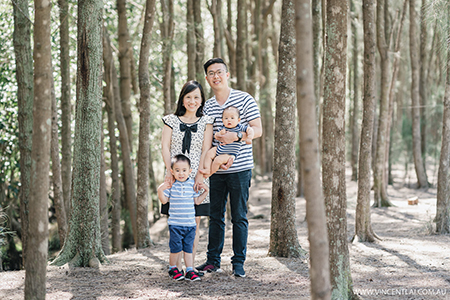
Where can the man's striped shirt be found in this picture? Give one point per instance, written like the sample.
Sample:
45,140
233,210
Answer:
249,111
181,198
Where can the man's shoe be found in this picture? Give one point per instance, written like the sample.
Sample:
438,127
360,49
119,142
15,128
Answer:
176,274
238,271
207,267
192,276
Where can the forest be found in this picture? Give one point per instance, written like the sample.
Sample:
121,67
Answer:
351,173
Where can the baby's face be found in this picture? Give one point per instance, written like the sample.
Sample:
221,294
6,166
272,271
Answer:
230,119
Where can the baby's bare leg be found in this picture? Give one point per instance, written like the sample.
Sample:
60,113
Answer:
206,170
218,161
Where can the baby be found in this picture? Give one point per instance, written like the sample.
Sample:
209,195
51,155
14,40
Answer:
217,156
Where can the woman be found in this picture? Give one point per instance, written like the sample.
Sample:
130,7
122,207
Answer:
188,132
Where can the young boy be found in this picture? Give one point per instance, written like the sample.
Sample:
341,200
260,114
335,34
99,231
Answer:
217,156
181,220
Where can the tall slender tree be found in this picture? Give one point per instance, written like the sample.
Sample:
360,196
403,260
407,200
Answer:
143,235
309,149
167,31
200,43
111,92
190,40
24,77
83,243
422,179
363,226
36,256
354,128
333,161
443,189
125,67
241,46
283,234
66,104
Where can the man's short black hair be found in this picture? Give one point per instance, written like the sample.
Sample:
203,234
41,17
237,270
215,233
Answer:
216,60
180,157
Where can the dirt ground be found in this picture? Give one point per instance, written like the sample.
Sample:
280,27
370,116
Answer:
410,262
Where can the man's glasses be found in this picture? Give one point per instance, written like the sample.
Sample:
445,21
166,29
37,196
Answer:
219,73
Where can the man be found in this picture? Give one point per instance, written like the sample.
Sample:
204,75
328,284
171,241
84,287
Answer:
232,180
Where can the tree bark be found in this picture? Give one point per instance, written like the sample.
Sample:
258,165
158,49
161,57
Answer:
58,199
143,234
241,46
190,40
125,68
200,44
379,178
24,78
37,243
423,78
283,234
363,226
231,43
309,149
66,105
83,243
333,161
130,190
355,101
443,187
415,99
167,31
103,205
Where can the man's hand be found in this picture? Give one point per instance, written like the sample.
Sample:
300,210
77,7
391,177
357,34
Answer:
226,138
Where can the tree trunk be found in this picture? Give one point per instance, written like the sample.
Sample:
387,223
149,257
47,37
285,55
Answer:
167,31
363,226
309,149
379,178
24,78
103,207
241,46
415,99
231,43
83,243
333,161
58,199
37,249
283,234
125,68
200,44
443,187
143,235
423,78
66,105
355,101
115,185
129,187
190,40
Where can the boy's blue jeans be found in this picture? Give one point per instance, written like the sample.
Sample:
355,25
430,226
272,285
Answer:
237,186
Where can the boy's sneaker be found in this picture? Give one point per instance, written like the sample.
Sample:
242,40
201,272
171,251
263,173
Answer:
238,271
192,276
176,274
207,267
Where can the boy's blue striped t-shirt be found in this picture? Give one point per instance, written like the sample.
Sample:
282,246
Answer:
181,197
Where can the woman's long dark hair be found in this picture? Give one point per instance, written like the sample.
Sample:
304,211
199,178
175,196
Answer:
188,87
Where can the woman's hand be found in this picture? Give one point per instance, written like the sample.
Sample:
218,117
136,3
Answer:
169,179
198,182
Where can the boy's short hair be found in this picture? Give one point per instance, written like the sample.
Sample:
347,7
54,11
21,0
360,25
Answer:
179,157
216,60
231,107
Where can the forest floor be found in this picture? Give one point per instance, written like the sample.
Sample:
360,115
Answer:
409,262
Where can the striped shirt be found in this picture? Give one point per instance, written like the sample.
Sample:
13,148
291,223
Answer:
249,111
181,197
234,147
